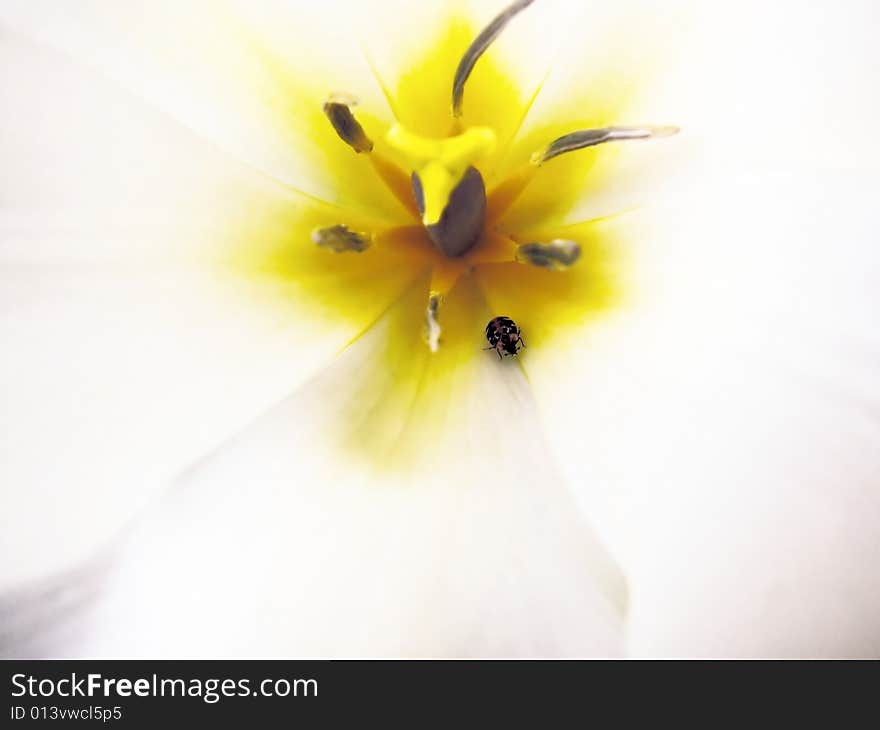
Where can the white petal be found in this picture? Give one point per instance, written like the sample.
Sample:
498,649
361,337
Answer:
112,382
281,545
95,175
751,86
250,77
130,344
724,434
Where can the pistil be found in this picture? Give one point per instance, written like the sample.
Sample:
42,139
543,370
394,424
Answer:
449,191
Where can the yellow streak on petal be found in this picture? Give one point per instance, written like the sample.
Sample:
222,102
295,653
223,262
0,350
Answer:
397,181
273,242
403,405
411,239
297,102
441,410
505,194
445,273
393,358
492,248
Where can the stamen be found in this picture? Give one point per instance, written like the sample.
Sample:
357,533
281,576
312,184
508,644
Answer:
340,239
504,195
592,137
338,111
478,48
432,326
557,255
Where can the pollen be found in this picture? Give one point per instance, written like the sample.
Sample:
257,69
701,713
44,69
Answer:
557,255
340,239
432,324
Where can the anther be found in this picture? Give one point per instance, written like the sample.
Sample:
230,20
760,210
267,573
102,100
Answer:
592,137
340,239
338,111
557,255
478,47
432,326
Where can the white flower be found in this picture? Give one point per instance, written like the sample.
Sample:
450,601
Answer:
703,375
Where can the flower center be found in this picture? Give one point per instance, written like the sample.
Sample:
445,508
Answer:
459,228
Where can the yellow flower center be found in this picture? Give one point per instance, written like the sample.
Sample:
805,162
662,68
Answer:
475,208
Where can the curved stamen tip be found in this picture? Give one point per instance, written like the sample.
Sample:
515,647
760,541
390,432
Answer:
340,239
557,255
338,111
591,137
432,325
478,47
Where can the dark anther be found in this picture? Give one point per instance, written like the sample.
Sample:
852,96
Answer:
347,127
557,255
340,239
478,48
591,137
462,219
432,325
